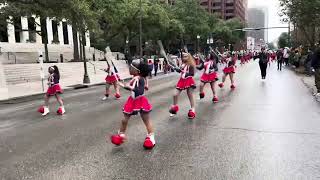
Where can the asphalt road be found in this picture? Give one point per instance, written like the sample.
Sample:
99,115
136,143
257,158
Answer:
264,130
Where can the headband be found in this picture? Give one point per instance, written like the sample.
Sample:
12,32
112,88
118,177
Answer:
51,67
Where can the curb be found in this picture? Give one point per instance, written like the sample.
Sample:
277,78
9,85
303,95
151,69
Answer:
31,97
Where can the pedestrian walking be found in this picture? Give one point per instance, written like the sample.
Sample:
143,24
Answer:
54,89
136,103
316,65
186,82
156,65
229,70
150,66
286,55
111,79
263,63
280,59
209,76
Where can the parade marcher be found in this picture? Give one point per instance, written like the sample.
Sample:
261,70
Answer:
112,79
229,70
136,103
263,63
279,59
54,89
186,82
316,66
209,75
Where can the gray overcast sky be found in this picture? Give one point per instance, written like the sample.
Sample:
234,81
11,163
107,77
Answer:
274,19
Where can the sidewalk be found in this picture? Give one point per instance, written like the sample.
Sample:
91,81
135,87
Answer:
308,81
71,78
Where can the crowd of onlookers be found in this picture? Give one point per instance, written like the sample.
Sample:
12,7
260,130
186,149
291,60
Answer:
300,57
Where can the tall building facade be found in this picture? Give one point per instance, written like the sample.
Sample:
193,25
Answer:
257,17
227,9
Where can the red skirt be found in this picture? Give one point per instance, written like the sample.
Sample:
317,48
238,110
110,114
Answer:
209,78
186,83
112,79
53,90
134,106
229,70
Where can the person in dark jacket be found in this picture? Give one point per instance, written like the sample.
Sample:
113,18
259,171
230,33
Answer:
316,66
263,62
280,59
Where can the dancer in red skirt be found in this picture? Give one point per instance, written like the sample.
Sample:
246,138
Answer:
54,89
136,103
209,75
229,70
112,79
186,82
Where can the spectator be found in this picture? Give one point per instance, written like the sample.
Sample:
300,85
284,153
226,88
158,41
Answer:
150,66
316,65
286,55
280,59
156,65
308,61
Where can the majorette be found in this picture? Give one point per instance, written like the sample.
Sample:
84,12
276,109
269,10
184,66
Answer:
54,89
186,82
112,78
209,75
229,70
136,103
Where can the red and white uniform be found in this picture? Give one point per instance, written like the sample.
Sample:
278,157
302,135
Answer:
112,76
137,102
186,80
53,85
209,75
230,68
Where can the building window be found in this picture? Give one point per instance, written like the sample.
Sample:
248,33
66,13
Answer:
204,3
229,11
229,4
216,4
55,32
65,33
229,17
32,29
3,32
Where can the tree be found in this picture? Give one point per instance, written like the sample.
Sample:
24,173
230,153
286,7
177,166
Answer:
283,40
304,15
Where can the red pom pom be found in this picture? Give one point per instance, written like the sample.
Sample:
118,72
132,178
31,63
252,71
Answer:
191,114
148,144
116,140
221,85
174,109
41,109
202,95
215,99
59,111
232,86
117,95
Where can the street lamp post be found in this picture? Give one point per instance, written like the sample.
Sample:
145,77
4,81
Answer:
229,47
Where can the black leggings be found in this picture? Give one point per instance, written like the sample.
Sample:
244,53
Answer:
280,65
263,68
